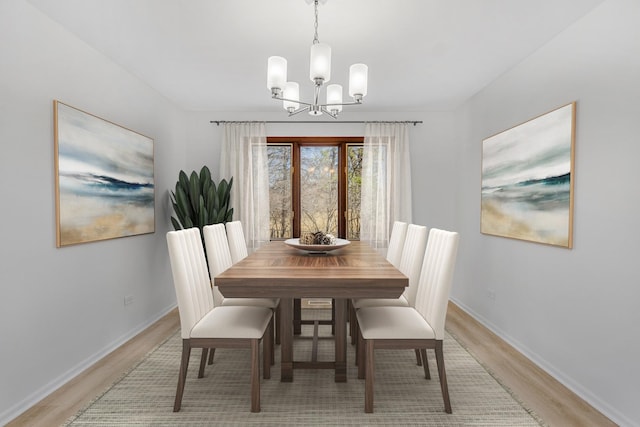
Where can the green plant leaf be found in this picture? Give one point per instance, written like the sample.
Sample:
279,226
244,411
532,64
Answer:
220,215
205,188
176,224
225,197
210,200
194,190
222,190
184,206
175,209
183,181
229,188
202,213
205,178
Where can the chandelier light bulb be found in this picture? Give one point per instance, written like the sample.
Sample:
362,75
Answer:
291,93
358,76
276,72
320,62
334,98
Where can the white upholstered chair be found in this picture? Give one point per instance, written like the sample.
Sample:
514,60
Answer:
420,327
238,251
410,264
394,255
207,325
219,259
413,248
237,243
396,243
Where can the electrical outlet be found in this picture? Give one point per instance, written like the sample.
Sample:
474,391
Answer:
491,294
128,299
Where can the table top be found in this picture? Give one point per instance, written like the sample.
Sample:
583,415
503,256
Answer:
277,270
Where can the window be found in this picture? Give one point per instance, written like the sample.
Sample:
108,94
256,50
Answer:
307,192
280,190
354,183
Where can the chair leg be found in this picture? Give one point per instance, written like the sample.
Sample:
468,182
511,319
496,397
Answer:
184,364
443,376
277,331
368,380
418,357
255,376
267,352
353,324
297,316
333,316
203,362
360,356
359,344
425,363
212,351
272,355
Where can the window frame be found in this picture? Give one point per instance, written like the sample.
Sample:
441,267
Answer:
296,143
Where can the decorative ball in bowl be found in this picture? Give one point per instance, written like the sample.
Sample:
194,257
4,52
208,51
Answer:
317,243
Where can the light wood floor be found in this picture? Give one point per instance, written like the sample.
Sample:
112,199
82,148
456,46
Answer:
553,402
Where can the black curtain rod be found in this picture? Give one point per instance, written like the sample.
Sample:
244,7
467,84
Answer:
217,122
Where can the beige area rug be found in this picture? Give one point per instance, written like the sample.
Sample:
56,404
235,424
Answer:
403,397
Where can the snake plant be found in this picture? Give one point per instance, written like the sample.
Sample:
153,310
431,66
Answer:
197,201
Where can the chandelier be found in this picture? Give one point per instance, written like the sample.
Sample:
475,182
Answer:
320,73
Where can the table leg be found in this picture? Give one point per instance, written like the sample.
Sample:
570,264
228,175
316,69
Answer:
341,340
297,316
286,340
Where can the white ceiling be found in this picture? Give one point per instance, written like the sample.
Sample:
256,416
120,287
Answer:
423,55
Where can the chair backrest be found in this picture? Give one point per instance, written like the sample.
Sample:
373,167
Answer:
237,244
412,255
218,255
436,278
190,277
396,242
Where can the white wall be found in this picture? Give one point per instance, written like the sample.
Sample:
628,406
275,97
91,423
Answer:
574,311
62,309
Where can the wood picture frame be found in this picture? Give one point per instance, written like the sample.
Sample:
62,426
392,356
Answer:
528,179
104,178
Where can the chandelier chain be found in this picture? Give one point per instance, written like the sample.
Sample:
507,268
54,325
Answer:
315,35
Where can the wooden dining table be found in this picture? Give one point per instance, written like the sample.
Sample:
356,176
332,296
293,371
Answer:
276,270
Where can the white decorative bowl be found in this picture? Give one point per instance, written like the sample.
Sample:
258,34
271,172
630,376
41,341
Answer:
317,249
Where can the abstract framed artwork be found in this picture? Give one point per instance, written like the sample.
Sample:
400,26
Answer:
527,180
104,178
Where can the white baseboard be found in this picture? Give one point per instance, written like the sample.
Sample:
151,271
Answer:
603,407
35,397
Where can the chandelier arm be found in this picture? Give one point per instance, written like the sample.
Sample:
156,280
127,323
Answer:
324,110
278,97
343,103
299,111
310,104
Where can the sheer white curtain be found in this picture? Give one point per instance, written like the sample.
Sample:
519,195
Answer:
244,157
386,181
